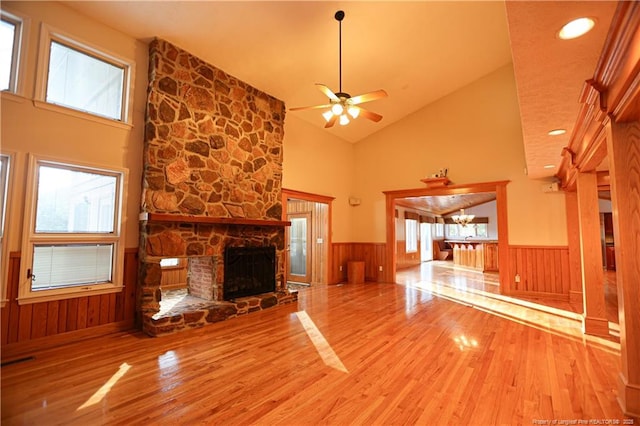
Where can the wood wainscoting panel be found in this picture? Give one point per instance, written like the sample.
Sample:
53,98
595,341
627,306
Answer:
174,277
405,259
373,255
22,323
543,271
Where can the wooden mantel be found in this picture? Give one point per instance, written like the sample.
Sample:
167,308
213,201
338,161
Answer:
162,217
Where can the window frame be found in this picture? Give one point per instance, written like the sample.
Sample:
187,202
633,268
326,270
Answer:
18,59
411,238
30,238
48,35
438,230
5,192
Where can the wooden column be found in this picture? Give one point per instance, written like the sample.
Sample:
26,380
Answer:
573,238
623,146
595,316
503,240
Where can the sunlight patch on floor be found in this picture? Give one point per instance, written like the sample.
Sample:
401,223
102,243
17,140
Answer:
323,347
167,305
100,393
552,320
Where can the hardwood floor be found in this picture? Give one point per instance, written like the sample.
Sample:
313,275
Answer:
425,352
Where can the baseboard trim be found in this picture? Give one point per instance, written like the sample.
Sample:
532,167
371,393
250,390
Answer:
540,295
12,351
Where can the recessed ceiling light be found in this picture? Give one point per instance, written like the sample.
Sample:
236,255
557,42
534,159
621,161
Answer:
548,166
557,132
576,28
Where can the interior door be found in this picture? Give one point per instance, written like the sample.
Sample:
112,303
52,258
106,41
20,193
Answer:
299,247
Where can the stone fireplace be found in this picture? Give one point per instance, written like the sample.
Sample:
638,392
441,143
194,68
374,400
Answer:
211,180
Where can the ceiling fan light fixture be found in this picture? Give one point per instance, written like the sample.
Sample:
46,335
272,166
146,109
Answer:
342,107
576,28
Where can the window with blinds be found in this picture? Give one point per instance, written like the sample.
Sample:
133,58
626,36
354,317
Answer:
73,238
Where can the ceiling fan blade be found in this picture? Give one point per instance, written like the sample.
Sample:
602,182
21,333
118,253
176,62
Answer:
331,122
368,97
370,115
310,107
324,89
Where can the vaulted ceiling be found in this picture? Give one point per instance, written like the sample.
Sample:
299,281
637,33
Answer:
417,51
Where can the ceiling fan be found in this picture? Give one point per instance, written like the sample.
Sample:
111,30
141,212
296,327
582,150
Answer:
341,105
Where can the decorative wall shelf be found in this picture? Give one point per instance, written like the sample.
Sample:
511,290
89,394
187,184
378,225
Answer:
177,218
436,182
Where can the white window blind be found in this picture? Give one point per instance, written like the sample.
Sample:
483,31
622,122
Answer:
71,265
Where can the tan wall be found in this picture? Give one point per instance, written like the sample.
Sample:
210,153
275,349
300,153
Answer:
475,133
317,162
29,129
480,120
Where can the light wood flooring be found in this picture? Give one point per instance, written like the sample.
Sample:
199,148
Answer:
440,350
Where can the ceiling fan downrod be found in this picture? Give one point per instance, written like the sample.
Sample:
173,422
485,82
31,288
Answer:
339,17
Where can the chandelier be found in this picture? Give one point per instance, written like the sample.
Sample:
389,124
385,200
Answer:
462,219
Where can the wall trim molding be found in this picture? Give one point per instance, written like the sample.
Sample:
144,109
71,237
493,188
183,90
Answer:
12,351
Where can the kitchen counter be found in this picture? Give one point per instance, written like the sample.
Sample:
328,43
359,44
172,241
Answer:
477,253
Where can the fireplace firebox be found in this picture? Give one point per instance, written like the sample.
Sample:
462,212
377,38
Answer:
249,271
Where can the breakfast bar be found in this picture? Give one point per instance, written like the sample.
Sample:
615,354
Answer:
475,253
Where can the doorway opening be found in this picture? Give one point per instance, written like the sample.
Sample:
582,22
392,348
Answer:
395,198
308,239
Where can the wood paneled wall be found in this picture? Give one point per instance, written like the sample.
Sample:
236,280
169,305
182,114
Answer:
373,255
544,271
319,234
22,323
176,276
404,259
